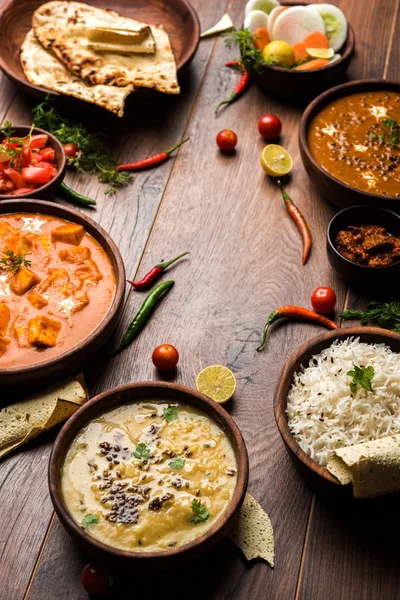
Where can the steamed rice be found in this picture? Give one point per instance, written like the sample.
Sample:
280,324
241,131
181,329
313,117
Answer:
322,413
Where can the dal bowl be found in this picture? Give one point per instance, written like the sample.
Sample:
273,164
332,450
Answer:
316,475
125,397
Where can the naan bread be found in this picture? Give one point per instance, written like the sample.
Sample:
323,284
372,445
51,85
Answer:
42,68
62,26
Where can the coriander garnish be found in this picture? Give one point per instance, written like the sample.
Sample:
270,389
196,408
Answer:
90,520
177,463
200,513
362,376
11,263
391,134
384,314
250,56
142,452
170,413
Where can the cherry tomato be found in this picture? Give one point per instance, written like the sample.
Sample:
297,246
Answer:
95,580
226,140
165,357
70,149
323,300
269,127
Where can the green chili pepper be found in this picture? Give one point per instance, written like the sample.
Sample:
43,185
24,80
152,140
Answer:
143,314
74,197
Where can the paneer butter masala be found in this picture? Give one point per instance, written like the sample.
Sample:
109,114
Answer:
357,140
56,286
149,476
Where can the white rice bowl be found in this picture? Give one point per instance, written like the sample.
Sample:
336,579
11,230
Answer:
322,413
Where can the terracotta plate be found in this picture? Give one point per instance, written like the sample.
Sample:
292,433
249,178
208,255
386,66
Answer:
177,16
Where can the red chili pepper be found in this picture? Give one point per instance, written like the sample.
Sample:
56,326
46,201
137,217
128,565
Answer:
235,63
300,222
294,312
240,88
150,162
154,274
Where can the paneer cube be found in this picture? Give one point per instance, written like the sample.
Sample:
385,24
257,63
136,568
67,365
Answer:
4,319
3,345
75,256
37,300
20,328
6,229
56,280
23,280
88,273
43,331
19,244
69,234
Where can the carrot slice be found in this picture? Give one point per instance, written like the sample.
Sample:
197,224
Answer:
261,38
317,63
300,51
316,40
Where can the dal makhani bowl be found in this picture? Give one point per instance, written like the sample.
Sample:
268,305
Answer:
349,143
61,290
148,473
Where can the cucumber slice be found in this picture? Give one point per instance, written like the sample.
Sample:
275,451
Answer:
263,5
296,23
255,19
335,24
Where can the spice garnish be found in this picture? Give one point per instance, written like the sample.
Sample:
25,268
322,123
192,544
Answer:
90,520
200,513
362,376
177,463
142,452
11,262
170,413
385,314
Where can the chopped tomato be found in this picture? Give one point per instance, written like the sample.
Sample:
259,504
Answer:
22,191
48,166
36,175
6,185
26,157
36,157
48,154
16,178
39,141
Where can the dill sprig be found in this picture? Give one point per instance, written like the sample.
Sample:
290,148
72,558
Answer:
11,262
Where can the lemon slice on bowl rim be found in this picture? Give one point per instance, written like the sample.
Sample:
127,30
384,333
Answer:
217,382
276,161
326,53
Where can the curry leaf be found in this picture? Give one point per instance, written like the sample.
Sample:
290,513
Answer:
362,376
90,520
142,452
170,413
200,513
177,462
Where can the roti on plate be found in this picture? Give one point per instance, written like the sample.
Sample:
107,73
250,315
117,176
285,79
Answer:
62,27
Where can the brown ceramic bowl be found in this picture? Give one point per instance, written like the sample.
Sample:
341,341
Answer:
316,475
333,189
298,87
71,361
134,392
48,189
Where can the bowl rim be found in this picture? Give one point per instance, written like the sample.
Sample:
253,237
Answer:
60,168
43,206
280,396
348,45
323,100
54,474
360,207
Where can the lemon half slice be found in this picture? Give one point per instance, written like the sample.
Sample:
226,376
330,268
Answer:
326,53
216,382
276,161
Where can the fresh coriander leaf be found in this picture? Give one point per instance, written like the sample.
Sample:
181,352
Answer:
177,462
90,520
11,263
200,513
362,376
142,452
7,129
384,314
250,56
373,136
170,413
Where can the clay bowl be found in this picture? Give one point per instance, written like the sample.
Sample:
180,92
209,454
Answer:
332,189
134,392
177,16
299,87
317,476
382,278
47,190
70,361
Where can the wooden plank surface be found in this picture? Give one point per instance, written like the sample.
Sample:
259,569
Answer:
244,261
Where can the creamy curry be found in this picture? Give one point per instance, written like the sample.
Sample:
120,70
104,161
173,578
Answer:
357,140
149,476
56,286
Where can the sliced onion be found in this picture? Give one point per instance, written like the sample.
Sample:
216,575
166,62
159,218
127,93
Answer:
263,5
273,15
255,19
335,24
296,23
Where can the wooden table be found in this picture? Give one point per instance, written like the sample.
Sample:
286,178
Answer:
245,261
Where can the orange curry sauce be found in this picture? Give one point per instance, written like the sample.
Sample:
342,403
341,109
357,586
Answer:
351,139
50,306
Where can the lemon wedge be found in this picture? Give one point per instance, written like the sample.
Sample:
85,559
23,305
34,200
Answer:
216,382
326,53
276,161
